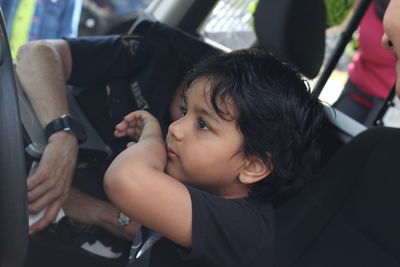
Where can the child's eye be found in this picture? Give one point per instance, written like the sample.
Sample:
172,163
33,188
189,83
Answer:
183,111
203,125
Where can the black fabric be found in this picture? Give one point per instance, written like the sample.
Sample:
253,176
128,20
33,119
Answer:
119,74
226,232
348,215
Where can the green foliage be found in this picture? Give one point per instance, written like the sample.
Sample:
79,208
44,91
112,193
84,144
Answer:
337,11
252,9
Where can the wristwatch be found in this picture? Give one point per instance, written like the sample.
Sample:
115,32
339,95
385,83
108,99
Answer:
67,124
123,221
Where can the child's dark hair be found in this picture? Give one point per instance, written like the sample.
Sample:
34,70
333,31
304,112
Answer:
276,114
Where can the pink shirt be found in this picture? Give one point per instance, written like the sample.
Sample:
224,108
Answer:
373,67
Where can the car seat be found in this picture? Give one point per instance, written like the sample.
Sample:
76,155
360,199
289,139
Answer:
347,215
294,31
13,197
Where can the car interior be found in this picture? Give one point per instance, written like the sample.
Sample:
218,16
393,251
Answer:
344,216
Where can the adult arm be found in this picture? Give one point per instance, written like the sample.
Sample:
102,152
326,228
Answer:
137,185
43,67
88,210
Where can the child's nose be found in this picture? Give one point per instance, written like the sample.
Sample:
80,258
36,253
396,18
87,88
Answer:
175,130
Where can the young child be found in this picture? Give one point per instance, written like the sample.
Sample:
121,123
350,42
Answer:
248,130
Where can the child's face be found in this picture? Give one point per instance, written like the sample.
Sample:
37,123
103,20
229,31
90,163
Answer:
391,24
203,148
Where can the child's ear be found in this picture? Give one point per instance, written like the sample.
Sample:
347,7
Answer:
253,170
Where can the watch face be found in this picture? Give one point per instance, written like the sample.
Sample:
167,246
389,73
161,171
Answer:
74,127
123,219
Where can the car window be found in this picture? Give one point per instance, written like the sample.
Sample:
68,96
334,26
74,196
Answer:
101,17
230,24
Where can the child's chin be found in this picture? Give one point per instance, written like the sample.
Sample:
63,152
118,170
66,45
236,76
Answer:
173,172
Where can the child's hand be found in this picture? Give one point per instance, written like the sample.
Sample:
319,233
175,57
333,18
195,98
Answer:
138,125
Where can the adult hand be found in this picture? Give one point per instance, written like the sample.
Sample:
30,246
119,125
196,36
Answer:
49,186
138,125
88,210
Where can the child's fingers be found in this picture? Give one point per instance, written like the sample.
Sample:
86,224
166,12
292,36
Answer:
133,121
119,133
120,129
132,124
129,122
134,132
136,123
138,115
133,115
121,126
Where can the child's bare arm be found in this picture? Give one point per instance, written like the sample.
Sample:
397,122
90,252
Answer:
137,185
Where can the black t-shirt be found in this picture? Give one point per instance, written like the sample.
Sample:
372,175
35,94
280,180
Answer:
119,74
226,232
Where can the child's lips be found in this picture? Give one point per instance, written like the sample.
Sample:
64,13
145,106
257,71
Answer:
171,153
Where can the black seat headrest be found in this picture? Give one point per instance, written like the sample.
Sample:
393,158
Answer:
348,214
293,30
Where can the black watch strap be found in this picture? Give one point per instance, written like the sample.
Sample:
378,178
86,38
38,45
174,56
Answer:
67,124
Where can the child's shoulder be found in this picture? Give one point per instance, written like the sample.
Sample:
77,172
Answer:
246,210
